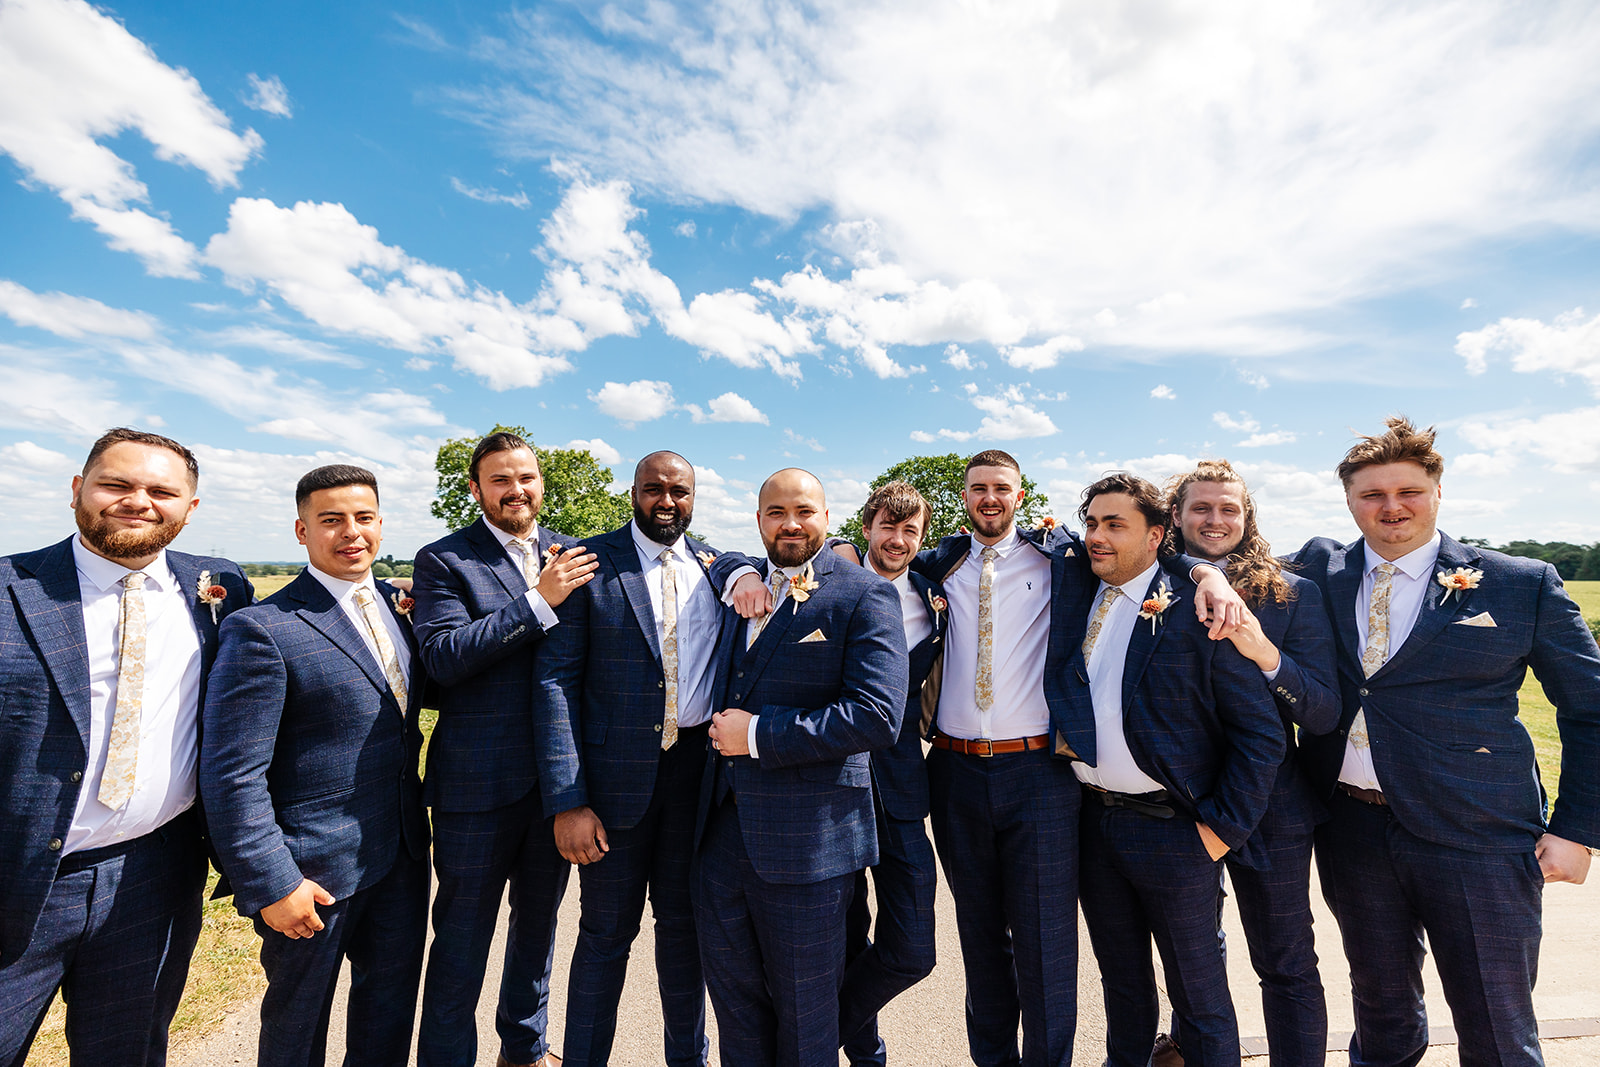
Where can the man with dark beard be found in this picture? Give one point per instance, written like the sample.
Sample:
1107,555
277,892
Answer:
106,639
622,704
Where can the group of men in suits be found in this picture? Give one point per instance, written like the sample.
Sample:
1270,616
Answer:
1113,720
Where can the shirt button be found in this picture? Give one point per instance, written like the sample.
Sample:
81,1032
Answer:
55,844
77,776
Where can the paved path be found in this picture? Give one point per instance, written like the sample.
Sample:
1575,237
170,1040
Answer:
924,1026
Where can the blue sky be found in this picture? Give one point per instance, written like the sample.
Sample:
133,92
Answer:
834,235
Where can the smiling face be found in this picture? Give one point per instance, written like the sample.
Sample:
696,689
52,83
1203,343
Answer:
1212,518
133,502
1121,542
1396,506
509,489
892,545
663,497
341,529
992,496
793,516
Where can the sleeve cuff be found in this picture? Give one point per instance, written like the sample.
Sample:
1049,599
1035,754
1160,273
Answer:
750,737
1272,675
541,610
727,587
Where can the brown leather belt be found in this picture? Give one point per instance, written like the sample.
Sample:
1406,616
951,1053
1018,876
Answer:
984,746
1366,796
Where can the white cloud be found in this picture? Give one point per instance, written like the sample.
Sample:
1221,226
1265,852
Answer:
36,484
519,199
1254,379
729,407
634,402
1243,424
599,450
1041,356
1569,345
923,437
1006,418
267,339
79,405
72,316
809,442
1567,441
1268,440
70,77
686,228
1163,392
269,95
1469,302
957,357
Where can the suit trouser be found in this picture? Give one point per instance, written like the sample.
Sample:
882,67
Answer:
1007,832
902,954
1482,914
1145,878
475,855
653,855
381,929
115,936
773,954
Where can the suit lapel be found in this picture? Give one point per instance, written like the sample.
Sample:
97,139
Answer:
925,594
771,636
1141,643
186,569
323,614
1436,612
53,605
386,594
625,557
1345,568
494,556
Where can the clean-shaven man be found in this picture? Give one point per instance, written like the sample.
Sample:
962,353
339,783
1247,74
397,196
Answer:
106,642
622,705
1438,822
486,597
309,774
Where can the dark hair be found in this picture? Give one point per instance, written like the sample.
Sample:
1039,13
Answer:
334,476
123,435
993,457
899,500
1252,569
500,441
1400,443
1146,497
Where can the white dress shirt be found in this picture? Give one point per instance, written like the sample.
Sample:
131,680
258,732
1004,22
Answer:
1407,590
541,610
345,593
1115,768
1021,632
699,621
170,710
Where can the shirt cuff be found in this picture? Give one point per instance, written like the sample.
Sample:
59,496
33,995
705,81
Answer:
1194,572
727,588
541,610
750,737
1272,675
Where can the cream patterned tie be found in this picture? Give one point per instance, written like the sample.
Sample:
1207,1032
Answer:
984,696
1107,598
530,559
380,636
122,760
1377,651
669,647
780,582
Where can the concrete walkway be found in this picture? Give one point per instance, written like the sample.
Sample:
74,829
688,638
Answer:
925,1027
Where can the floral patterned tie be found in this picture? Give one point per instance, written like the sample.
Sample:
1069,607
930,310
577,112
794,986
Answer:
1107,598
1377,651
530,559
984,696
780,582
122,759
380,636
669,647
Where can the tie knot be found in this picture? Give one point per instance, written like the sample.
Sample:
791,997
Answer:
989,552
666,555
363,595
1112,592
522,544
1387,569
134,580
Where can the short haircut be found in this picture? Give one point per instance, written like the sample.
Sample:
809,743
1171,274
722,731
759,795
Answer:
898,501
333,476
124,435
499,441
993,457
1146,497
1400,443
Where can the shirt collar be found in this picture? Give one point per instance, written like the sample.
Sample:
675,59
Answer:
1416,563
793,571
104,573
343,591
1135,589
652,549
505,538
1003,546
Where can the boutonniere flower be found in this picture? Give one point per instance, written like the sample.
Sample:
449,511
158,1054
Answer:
402,603
937,603
1046,523
210,593
801,586
705,558
551,551
1156,605
1458,581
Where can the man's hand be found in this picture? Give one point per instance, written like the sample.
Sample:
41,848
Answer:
750,596
296,914
1215,602
730,732
565,572
580,838
1562,860
1216,847
1252,642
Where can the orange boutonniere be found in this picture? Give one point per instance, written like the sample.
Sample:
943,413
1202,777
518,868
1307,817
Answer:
705,558
1155,606
801,586
403,604
210,593
1459,581
1046,523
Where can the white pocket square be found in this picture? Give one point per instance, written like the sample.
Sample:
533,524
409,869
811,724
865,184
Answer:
1480,619
814,635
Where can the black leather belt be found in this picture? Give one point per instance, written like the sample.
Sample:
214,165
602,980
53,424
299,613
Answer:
1366,796
1153,804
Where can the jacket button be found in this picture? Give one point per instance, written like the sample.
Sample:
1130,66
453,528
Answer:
55,844
661,684
1363,692
77,776
658,728
741,674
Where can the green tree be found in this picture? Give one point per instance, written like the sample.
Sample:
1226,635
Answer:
578,500
940,480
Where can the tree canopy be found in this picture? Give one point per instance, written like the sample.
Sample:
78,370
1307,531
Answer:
578,500
940,480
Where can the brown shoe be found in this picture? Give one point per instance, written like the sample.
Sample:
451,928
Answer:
549,1059
1166,1052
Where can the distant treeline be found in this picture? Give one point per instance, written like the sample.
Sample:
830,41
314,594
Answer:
384,567
1575,563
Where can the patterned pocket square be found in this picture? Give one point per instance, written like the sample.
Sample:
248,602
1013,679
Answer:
814,635
1481,619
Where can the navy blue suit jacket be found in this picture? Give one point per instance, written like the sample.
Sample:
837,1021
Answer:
308,765
44,712
805,807
1456,764
599,691
478,634
900,772
1195,713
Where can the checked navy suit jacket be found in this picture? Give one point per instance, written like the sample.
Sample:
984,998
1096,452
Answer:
899,772
478,633
599,692
308,765
805,807
1195,713
1455,762
44,713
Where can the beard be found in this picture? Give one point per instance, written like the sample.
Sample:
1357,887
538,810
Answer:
114,542
789,554
517,525
991,527
663,533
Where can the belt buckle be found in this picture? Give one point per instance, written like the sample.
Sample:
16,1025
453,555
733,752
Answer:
986,742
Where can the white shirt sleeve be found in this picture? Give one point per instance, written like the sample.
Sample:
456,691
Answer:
750,737
541,610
